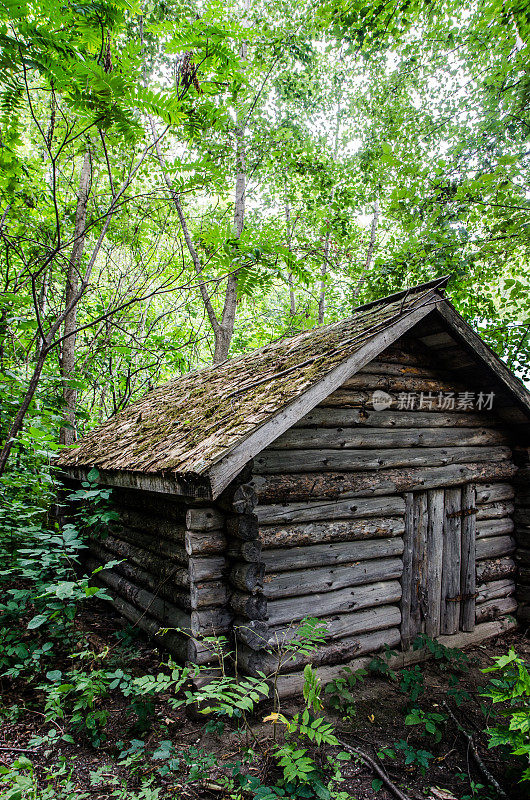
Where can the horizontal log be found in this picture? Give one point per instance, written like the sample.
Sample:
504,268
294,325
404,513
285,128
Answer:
334,485
359,398
348,417
270,461
328,579
163,587
495,546
307,533
393,368
341,625
494,527
494,589
495,510
494,492
291,684
166,613
248,606
208,593
244,551
330,510
205,542
495,569
335,653
402,383
253,633
321,555
149,523
377,438
494,609
204,519
163,568
210,621
247,576
206,569
155,504
328,603
164,548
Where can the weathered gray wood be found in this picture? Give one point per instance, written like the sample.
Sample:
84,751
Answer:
244,551
403,383
320,555
163,587
254,633
466,334
418,607
495,569
336,653
495,546
450,605
168,614
468,562
210,621
206,569
495,589
208,593
322,417
163,568
380,367
496,608
247,577
244,499
494,492
494,527
307,533
434,561
327,579
330,510
376,438
249,606
334,485
270,461
406,577
227,468
154,544
146,482
341,625
358,398
149,523
328,603
292,683
205,542
496,510
204,519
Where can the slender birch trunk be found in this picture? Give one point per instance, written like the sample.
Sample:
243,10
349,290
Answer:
68,353
369,252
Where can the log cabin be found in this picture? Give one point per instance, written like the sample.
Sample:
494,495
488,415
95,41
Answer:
373,473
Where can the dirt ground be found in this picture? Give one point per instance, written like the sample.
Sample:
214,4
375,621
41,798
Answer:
377,723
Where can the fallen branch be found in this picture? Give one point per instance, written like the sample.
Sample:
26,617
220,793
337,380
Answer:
379,771
5,749
476,755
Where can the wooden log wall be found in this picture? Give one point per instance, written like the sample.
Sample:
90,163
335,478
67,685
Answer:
331,507
171,572
522,533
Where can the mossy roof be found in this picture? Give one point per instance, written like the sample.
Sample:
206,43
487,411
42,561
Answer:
187,425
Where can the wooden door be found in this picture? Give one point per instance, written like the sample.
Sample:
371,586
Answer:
438,582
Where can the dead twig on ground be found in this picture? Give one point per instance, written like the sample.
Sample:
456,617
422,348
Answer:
379,771
476,755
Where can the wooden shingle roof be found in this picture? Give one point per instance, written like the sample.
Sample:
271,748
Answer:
193,435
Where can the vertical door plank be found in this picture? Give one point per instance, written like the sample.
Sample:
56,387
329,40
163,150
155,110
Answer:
434,561
419,565
450,605
406,577
467,570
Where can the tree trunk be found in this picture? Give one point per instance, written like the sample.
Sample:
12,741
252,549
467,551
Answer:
67,435
369,253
